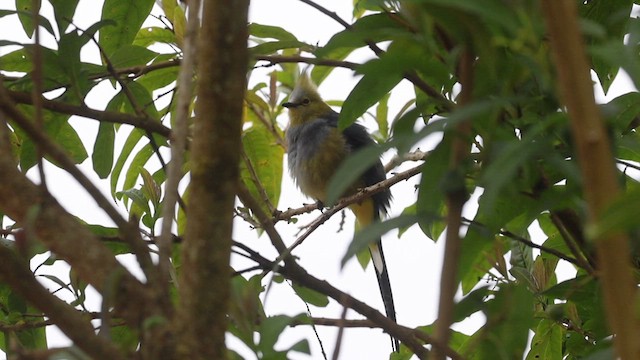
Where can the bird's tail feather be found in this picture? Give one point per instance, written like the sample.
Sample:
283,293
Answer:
380,265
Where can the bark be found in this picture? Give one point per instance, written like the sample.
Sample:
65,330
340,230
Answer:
598,172
204,281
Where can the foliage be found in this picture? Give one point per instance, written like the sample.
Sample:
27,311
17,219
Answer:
518,155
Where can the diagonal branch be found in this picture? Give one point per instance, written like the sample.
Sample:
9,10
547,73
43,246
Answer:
83,111
129,230
61,233
75,325
411,76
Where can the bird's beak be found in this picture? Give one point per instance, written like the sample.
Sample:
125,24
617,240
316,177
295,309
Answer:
289,105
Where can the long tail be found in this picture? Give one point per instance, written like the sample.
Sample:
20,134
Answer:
380,265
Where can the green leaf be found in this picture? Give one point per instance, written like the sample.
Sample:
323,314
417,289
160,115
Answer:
60,131
16,61
151,35
504,335
269,31
311,296
25,10
622,111
131,55
159,78
28,16
143,101
69,48
431,195
138,198
150,188
70,141
271,47
380,76
126,338
103,150
245,308
512,212
547,342
137,164
129,144
265,157
374,28
301,346
618,217
15,310
320,73
182,215
63,11
382,113
128,17
270,330
613,17
472,303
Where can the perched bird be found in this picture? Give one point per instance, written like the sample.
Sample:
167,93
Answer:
315,150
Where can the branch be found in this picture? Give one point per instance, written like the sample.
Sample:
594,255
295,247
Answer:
204,282
83,111
78,328
61,233
129,230
548,250
412,76
362,194
36,75
455,200
597,164
178,145
294,272
280,59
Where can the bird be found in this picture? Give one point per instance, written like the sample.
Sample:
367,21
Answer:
316,148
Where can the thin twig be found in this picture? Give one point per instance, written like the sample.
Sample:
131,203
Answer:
36,76
294,272
340,335
455,200
412,76
344,202
281,59
178,146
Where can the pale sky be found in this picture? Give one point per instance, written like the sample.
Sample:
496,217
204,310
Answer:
414,261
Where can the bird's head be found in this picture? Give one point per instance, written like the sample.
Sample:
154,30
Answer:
305,103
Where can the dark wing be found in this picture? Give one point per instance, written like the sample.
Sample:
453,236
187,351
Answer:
357,138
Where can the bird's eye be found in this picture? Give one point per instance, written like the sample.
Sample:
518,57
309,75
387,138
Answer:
306,102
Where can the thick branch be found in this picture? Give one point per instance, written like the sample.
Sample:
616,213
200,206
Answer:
60,232
15,272
204,285
597,165
296,273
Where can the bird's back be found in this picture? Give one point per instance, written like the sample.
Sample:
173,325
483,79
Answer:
316,150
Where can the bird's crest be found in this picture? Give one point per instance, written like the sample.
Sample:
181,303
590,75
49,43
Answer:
304,88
